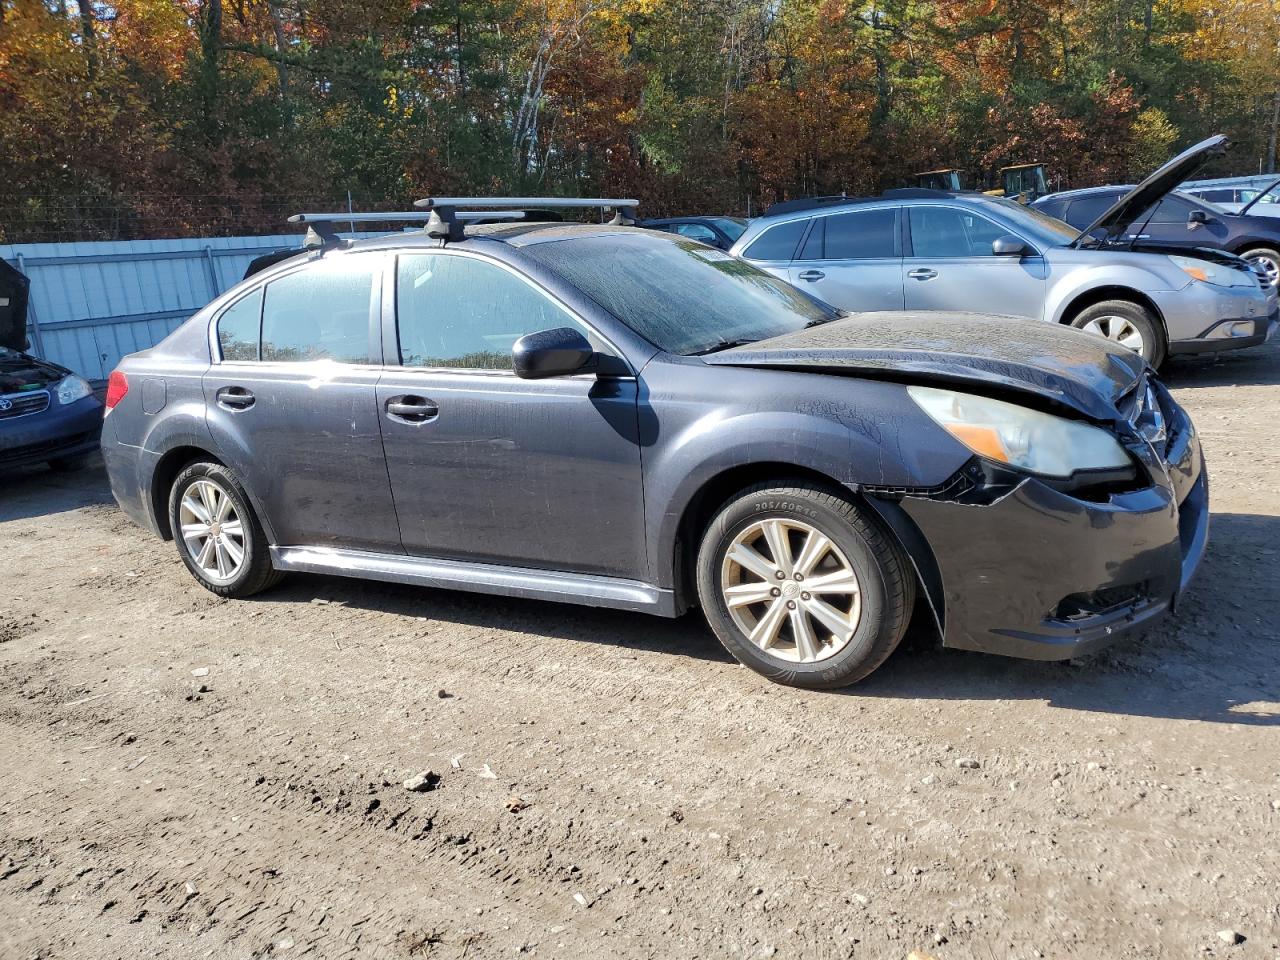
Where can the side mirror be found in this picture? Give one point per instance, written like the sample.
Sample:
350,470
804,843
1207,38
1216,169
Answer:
1009,246
1199,216
551,353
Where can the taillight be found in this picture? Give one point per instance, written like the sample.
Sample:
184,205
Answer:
117,387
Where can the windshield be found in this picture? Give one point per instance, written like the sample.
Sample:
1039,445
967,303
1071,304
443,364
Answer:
681,296
733,227
1042,227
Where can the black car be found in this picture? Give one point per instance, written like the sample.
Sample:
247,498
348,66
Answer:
1175,219
720,232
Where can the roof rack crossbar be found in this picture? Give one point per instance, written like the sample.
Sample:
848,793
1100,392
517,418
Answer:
348,217
433,203
444,223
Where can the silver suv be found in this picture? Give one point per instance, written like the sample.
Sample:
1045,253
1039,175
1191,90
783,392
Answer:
932,250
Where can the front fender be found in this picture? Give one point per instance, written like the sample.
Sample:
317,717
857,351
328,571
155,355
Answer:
1083,280
857,433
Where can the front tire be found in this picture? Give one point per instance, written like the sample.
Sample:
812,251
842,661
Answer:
217,534
802,586
1267,259
1127,324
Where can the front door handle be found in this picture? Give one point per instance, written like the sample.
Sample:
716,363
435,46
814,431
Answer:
411,409
234,398
922,273
812,275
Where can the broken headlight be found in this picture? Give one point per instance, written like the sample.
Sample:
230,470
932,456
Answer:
1026,439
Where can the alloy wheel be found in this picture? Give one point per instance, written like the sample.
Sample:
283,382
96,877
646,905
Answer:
1268,266
1119,330
212,531
791,591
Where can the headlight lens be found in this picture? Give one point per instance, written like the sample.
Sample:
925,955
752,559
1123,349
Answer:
73,388
1207,272
1027,439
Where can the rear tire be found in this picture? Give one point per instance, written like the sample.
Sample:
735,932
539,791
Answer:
829,612
1125,323
217,533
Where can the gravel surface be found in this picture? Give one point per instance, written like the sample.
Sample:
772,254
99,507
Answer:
182,776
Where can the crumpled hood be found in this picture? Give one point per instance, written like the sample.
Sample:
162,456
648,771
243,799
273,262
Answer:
18,370
1081,370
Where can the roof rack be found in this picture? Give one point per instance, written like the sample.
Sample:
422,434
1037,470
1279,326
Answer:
444,222
322,236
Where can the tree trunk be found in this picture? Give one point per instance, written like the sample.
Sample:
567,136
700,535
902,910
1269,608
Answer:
277,28
1275,124
89,37
210,25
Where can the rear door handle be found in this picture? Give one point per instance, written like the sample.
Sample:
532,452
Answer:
411,409
234,398
812,275
922,273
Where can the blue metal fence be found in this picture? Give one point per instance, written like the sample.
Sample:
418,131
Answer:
92,303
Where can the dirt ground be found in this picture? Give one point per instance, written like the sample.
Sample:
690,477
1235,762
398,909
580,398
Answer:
189,777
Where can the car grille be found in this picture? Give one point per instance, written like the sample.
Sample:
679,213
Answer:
23,404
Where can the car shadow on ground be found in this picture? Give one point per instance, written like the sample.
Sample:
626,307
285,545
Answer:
1254,366
1217,661
37,491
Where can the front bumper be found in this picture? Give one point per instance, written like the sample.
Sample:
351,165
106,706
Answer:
57,432
1045,575
1202,318
1230,334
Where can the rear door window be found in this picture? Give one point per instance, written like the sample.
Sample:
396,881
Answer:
239,328
861,235
778,242
463,313
321,312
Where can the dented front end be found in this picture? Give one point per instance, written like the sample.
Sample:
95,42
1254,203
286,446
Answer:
1044,570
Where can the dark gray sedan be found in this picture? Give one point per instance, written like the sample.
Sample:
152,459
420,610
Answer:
612,416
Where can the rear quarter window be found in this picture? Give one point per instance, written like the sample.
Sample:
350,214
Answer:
239,328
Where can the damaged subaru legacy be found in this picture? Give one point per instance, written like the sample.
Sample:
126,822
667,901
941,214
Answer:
606,415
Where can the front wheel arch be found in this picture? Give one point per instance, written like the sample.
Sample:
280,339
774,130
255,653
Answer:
725,486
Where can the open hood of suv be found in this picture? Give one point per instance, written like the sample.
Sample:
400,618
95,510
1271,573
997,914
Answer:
1151,190
1082,371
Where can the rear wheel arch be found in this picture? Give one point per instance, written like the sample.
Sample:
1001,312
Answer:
162,479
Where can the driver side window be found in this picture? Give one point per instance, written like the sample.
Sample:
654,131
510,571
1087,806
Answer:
939,232
462,313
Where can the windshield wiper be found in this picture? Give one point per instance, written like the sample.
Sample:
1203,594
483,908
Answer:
821,320
724,345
